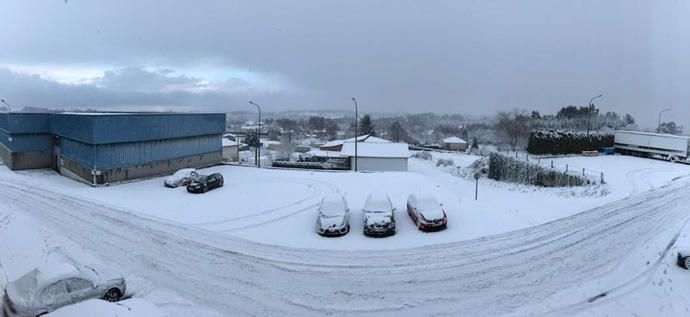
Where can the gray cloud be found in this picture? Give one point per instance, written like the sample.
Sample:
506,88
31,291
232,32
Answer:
449,56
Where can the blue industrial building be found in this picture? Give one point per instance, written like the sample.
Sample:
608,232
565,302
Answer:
100,148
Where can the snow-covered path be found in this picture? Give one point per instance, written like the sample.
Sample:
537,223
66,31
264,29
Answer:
539,270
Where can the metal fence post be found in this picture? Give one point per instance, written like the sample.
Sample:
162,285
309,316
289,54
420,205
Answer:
551,163
602,177
566,168
583,171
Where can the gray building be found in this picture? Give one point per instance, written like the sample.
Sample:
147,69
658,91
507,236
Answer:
100,148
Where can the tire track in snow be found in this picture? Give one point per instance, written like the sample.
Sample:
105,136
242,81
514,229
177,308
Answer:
497,275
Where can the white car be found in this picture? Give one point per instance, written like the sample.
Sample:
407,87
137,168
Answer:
48,288
334,216
182,177
378,216
427,213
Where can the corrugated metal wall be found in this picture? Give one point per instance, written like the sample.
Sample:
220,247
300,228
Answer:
77,151
26,142
116,155
117,128
25,122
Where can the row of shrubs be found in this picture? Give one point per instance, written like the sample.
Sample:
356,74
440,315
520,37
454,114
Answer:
510,169
566,142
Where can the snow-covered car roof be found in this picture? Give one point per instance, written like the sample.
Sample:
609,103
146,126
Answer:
333,205
377,202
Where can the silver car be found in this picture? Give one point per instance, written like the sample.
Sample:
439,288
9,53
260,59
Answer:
182,177
378,216
334,216
46,289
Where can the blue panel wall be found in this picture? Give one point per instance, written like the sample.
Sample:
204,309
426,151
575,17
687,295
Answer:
27,142
128,154
25,122
116,128
76,127
77,151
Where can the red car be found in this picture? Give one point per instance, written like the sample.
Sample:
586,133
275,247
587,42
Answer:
426,213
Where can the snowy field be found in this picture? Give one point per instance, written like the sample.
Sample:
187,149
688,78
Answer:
268,215
275,206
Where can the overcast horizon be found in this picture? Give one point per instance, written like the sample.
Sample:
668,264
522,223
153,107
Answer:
465,57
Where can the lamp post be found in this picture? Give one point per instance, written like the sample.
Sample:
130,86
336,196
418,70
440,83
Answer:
658,126
589,111
9,108
258,134
356,128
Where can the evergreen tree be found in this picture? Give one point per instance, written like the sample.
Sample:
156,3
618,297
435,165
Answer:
366,126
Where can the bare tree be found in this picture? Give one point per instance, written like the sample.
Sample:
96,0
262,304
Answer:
513,126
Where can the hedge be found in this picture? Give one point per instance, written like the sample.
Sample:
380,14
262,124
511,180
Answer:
566,142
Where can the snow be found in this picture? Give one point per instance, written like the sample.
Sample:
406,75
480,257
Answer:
250,248
383,150
98,308
361,139
454,140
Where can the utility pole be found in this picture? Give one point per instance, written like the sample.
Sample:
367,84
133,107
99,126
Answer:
258,135
589,111
356,128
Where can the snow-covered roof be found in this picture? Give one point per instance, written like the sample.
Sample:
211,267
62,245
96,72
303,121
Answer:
362,138
320,153
454,139
227,142
388,150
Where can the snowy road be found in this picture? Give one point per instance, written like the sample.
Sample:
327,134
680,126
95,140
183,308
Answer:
546,269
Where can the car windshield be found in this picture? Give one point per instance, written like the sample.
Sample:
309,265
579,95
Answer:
377,206
27,283
427,204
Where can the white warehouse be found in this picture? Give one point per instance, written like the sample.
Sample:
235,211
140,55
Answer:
377,156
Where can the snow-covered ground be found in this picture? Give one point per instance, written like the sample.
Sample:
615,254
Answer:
249,248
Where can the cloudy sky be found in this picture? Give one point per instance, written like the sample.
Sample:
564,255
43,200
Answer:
468,57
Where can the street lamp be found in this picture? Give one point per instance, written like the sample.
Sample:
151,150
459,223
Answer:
9,109
589,111
258,134
356,128
658,126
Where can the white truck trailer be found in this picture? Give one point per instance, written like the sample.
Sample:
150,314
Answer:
671,147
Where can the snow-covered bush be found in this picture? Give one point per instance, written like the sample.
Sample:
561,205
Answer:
424,155
445,162
510,169
566,142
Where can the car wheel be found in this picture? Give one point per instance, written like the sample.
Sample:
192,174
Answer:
112,295
205,189
686,262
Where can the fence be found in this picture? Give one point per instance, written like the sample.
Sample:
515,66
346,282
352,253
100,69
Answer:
517,170
592,175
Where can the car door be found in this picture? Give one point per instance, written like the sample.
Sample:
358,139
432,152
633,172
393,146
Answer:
80,289
55,295
212,181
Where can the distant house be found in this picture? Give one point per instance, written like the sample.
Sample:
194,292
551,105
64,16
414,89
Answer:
454,144
377,156
337,145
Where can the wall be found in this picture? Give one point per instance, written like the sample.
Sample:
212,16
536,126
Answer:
119,128
380,164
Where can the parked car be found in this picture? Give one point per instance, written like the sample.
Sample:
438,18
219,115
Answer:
684,258
181,178
204,183
46,289
334,216
378,216
427,213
